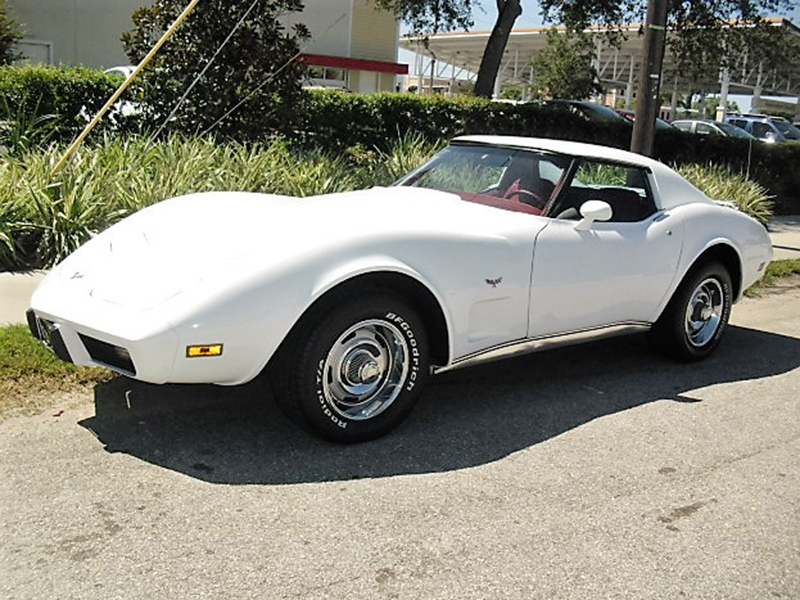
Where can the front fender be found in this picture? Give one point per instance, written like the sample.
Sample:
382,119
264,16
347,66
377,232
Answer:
253,318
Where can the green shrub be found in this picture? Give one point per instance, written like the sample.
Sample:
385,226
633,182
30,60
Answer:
46,218
724,183
338,121
64,96
331,119
42,219
10,34
776,167
46,104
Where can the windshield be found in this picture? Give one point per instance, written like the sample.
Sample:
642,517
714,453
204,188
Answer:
734,131
504,178
789,131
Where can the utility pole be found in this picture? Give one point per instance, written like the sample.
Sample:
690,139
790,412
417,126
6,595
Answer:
647,100
116,95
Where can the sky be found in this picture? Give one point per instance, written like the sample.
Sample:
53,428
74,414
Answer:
485,14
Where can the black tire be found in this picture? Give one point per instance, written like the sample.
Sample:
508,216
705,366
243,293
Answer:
697,314
353,371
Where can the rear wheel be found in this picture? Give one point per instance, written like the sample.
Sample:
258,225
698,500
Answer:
697,315
354,372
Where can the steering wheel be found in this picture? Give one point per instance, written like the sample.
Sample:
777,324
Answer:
527,197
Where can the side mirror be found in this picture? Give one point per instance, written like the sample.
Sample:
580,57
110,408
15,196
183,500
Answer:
770,137
591,211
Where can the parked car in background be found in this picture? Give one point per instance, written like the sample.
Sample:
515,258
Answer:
710,127
348,302
589,110
123,107
766,129
630,115
122,71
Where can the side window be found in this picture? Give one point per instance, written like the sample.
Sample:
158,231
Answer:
683,126
706,129
760,130
626,189
739,123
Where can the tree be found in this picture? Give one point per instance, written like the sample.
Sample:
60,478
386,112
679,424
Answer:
10,34
434,16
710,104
511,92
564,69
703,38
508,11
260,58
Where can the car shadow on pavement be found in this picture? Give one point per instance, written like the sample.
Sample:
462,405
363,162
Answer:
465,418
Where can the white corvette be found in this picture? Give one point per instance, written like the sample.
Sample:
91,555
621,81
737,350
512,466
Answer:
348,302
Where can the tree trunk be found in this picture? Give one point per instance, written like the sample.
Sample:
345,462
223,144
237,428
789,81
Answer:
508,11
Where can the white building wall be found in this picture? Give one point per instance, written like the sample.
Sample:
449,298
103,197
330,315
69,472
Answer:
81,31
88,32
329,22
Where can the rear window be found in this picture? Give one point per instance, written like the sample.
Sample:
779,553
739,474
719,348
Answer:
789,131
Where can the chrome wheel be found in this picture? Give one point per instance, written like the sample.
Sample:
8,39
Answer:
704,312
365,370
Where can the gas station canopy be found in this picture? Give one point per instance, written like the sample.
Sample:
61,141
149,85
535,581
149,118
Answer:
457,55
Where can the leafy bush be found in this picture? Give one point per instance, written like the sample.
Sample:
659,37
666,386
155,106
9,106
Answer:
44,219
339,120
723,183
43,104
258,58
61,96
10,34
776,167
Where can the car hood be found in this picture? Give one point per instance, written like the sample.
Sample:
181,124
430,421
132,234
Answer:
162,250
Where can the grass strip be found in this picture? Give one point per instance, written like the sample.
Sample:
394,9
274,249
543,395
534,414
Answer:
30,374
777,271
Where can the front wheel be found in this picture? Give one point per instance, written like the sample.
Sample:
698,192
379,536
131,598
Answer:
696,316
354,372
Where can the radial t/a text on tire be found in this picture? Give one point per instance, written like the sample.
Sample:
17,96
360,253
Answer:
355,371
697,315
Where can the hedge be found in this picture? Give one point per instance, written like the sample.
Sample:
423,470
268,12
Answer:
61,98
338,121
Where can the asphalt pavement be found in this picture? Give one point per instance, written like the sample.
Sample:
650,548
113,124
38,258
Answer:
600,471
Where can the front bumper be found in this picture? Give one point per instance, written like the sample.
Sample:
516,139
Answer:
149,358
49,334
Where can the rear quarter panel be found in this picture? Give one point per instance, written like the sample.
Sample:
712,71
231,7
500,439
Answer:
707,225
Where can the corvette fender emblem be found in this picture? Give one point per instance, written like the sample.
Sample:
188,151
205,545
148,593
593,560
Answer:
494,282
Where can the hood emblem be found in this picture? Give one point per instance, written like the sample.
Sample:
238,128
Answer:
494,282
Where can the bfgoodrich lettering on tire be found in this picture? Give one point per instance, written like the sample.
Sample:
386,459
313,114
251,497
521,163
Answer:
697,315
355,371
